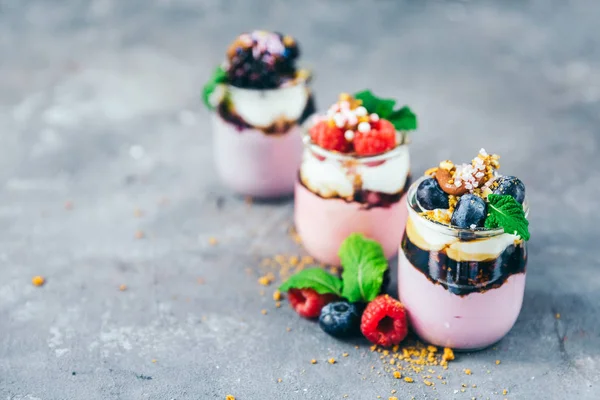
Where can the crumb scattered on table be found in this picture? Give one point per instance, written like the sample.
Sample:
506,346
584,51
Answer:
38,280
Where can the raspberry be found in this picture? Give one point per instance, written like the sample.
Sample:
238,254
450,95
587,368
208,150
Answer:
384,321
381,138
308,303
329,137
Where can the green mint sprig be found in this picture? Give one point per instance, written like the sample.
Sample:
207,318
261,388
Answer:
506,212
364,264
403,118
218,77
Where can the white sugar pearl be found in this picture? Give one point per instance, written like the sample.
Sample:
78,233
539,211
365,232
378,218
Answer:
364,127
339,120
349,135
360,111
374,117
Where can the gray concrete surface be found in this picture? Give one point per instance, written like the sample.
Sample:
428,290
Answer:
99,106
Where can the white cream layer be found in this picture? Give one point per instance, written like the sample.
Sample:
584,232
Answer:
261,108
428,238
331,177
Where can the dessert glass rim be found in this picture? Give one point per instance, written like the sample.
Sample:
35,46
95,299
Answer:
315,148
297,81
450,230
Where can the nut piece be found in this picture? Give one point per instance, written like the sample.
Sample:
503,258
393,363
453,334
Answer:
444,177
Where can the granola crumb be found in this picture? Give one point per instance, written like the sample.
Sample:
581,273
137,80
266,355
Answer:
474,385
397,374
313,361
409,379
288,329
267,279
331,361
153,361
138,213
139,234
229,397
263,311
468,371
123,288
200,281
278,304
345,396
345,355
38,280
393,391
557,316
277,295
279,380
497,362
212,241
505,392
390,398
428,383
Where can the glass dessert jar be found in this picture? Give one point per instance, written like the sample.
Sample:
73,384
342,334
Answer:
259,101
462,287
354,172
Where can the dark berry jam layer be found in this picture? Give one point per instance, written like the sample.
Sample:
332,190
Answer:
368,198
464,277
226,112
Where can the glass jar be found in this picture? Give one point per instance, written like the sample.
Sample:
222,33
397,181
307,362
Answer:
462,288
260,162
338,194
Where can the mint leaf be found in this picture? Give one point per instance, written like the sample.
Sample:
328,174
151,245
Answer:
364,264
403,119
218,77
506,212
313,278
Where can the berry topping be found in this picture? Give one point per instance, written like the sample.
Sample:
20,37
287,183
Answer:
384,321
510,185
380,138
470,212
431,196
330,137
307,302
262,60
340,319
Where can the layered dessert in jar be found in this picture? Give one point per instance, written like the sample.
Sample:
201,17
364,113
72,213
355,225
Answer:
259,100
463,256
354,173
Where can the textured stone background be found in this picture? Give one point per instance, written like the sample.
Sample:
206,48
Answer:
99,105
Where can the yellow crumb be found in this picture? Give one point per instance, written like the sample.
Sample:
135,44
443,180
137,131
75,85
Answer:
267,279
391,398
263,312
278,380
154,361
277,304
474,385
345,355
277,295
212,241
123,288
557,316
504,392
288,329
397,375
38,280
313,361
139,234
331,361
345,396
468,371
393,391
409,379
229,397
497,362
428,383
448,354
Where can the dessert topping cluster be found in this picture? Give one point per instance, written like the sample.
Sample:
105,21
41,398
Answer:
354,303
362,124
471,196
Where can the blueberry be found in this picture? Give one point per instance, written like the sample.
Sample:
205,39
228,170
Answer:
431,196
470,210
340,319
510,185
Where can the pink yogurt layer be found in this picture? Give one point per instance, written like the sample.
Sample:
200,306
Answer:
470,322
255,164
323,224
